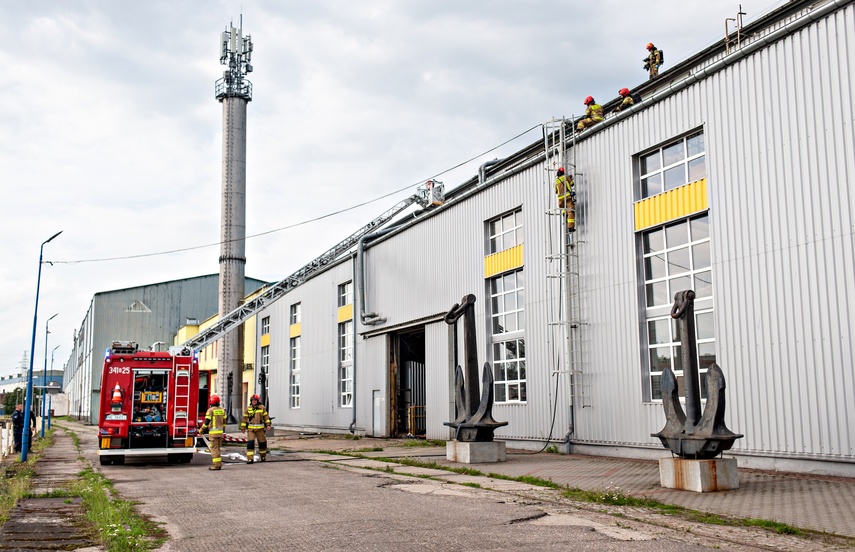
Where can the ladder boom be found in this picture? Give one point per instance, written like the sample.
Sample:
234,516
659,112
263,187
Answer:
424,197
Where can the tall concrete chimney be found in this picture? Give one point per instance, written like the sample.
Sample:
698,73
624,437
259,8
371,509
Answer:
234,91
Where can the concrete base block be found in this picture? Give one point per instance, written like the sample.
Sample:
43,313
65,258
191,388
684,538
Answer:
700,476
475,453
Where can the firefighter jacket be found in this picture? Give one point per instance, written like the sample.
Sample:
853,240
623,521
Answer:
595,112
563,188
215,421
627,102
255,418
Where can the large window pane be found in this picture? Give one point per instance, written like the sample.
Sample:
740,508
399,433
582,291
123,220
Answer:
697,169
654,241
660,358
657,293
676,234
675,176
695,144
650,162
672,154
703,284
678,261
654,267
701,255
705,326
657,331
651,185
679,284
700,228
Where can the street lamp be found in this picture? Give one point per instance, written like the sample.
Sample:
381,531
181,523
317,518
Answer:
46,385
25,443
44,374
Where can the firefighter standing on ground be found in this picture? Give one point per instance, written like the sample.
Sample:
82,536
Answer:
215,423
593,114
627,99
566,197
653,60
255,422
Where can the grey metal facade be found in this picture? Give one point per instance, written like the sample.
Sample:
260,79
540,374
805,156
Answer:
145,314
777,117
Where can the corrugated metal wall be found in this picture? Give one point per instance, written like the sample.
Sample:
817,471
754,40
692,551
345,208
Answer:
779,142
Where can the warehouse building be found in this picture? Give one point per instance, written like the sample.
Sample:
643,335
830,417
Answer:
730,177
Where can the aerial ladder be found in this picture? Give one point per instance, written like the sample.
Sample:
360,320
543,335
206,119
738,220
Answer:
429,194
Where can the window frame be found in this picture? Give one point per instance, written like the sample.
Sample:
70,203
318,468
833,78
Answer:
345,363
294,363
295,314
265,325
507,236
507,389
686,161
345,293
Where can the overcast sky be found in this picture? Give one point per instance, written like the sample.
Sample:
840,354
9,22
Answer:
111,132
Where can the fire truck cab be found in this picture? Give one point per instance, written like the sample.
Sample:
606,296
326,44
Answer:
148,404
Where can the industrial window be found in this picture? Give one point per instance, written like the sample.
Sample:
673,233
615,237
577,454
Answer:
295,372
345,359
507,314
673,165
676,257
265,359
296,313
345,294
506,231
265,325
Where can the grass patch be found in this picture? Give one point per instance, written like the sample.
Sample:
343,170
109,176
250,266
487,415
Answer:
528,479
471,484
422,443
116,521
369,449
552,449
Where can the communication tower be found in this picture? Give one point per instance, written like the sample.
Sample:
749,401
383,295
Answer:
234,91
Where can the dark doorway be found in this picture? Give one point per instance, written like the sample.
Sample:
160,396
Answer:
407,376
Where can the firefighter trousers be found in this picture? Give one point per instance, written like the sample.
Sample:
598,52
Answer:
216,441
253,435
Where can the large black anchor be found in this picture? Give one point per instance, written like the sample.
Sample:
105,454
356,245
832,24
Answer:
473,416
692,435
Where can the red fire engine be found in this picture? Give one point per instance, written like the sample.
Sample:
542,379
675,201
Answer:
149,404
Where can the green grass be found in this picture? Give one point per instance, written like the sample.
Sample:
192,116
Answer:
368,449
471,484
422,443
116,521
15,483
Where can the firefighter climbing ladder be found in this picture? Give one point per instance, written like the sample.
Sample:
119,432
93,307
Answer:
181,410
562,267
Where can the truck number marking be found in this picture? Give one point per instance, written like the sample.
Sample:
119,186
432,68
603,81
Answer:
119,370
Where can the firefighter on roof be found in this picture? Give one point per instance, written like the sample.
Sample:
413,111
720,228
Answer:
653,60
566,197
593,114
627,99
215,423
255,422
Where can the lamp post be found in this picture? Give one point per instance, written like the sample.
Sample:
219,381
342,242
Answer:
45,386
44,373
25,437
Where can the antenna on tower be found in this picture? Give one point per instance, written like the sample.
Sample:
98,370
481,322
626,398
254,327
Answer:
236,55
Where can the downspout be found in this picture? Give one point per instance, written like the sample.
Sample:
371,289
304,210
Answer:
482,172
353,400
367,318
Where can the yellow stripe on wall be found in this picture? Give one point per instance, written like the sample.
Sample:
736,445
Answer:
295,329
671,205
265,340
345,313
503,261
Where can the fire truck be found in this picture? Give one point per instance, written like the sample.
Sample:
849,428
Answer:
149,403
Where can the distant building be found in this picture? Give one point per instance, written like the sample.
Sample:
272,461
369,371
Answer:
732,177
145,314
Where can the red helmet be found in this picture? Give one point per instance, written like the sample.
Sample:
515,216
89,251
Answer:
255,398
650,46
560,170
214,400
589,100
624,92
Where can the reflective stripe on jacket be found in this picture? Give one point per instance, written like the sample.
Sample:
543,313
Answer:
215,420
255,418
595,112
563,187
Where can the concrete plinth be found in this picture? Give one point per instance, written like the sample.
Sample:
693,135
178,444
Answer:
700,476
475,453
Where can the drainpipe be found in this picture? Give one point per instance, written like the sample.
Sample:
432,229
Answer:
482,172
367,318
353,399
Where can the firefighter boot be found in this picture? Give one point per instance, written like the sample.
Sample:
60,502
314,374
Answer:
264,458
216,467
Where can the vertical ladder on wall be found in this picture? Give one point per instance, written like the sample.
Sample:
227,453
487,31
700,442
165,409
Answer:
562,265
181,404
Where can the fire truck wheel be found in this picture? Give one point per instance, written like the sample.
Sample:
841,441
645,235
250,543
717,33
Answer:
173,458
106,460
185,458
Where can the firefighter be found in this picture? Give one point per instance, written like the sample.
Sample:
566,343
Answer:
653,60
627,100
215,423
564,189
593,114
254,423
